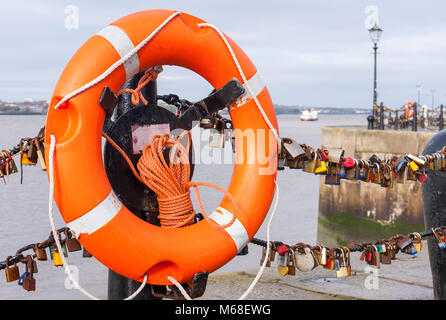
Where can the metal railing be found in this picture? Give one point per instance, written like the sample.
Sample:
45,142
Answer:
406,118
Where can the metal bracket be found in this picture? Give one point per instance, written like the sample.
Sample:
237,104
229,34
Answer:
108,100
213,103
194,288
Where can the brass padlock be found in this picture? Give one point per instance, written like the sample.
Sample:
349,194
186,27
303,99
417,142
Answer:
291,263
40,153
40,253
12,273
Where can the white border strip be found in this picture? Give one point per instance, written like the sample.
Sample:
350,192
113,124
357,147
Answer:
256,84
123,45
98,217
237,231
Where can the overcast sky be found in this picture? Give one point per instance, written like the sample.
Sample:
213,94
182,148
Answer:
313,53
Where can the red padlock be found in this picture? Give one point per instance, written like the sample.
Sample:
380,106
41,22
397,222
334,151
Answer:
283,249
323,155
348,163
422,177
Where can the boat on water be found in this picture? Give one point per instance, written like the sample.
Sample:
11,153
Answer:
309,115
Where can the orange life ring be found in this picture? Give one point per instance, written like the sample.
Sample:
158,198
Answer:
105,227
408,110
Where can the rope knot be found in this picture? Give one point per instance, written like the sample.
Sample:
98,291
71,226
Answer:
149,75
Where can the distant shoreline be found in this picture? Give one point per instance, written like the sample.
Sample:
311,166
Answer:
21,114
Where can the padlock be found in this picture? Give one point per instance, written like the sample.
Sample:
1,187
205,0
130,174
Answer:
86,254
291,263
305,260
410,249
31,264
71,243
323,256
441,243
292,148
403,241
413,166
40,253
57,259
25,160
333,180
385,258
322,168
216,139
345,269
12,273
310,165
377,258
282,264
417,160
416,240
40,154
348,163
32,152
422,177
27,280
335,155
268,261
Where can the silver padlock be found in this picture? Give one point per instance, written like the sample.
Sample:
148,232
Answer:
292,147
216,139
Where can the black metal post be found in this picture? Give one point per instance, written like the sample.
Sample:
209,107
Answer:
120,287
434,208
381,116
441,124
396,120
375,93
414,117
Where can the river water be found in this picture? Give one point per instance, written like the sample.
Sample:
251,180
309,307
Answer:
24,208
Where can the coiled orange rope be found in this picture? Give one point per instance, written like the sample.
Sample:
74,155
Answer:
171,182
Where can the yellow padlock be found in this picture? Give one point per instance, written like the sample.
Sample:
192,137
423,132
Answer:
57,259
413,166
322,168
25,159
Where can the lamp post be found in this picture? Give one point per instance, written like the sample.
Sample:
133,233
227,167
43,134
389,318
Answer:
375,34
433,98
419,87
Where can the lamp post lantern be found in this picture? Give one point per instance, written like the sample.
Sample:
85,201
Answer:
375,33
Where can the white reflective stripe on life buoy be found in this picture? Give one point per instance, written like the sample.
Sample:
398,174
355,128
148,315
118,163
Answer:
96,218
237,231
256,84
123,45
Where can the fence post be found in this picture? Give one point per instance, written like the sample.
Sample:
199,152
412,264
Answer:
381,116
441,124
414,117
396,120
